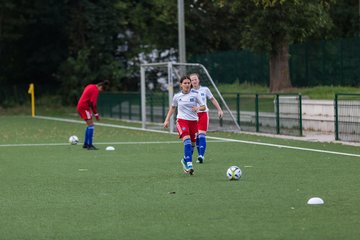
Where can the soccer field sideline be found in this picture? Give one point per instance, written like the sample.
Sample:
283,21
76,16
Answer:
98,143
209,137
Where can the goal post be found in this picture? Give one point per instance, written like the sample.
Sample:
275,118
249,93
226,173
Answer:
161,69
159,82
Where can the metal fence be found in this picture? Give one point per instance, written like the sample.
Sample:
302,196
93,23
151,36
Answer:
347,117
266,113
125,105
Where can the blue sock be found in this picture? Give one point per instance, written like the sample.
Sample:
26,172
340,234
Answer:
187,150
197,143
202,144
86,136
90,134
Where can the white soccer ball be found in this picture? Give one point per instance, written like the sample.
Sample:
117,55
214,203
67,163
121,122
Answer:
73,140
233,173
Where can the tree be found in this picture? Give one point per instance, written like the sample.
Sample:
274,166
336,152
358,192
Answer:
271,25
265,26
212,27
73,42
94,30
346,18
26,53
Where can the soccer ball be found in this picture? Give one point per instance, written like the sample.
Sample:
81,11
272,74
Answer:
233,173
73,140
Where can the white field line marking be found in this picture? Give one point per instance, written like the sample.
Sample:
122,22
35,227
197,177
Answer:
103,124
33,144
284,146
209,137
97,143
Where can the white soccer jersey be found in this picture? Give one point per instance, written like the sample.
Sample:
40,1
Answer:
205,94
184,102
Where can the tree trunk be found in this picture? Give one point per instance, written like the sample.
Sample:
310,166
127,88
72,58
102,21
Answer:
279,68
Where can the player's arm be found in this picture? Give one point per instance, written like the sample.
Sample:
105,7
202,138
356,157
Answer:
93,102
217,105
94,109
200,104
168,116
198,108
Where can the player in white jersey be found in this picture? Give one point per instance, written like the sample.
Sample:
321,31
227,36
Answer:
188,104
203,121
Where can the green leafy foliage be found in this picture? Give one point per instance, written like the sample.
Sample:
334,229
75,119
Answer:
270,22
39,39
93,31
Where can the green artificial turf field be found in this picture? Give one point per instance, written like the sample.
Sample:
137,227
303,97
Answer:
50,189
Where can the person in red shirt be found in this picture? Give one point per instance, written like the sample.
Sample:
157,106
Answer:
86,107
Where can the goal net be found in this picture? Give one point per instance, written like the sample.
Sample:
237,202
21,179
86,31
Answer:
159,83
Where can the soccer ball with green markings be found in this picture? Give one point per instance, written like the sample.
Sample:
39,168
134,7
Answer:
73,140
233,173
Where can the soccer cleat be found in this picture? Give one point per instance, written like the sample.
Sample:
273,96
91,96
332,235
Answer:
187,167
190,171
183,163
200,159
85,146
91,147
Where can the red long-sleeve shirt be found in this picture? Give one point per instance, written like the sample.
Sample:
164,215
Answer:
88,98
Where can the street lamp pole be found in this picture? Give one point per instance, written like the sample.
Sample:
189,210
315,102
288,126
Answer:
181,29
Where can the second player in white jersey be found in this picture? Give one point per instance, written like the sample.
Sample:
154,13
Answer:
203,121
205,95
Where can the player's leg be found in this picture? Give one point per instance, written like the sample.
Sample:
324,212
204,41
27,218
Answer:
182,127
85,114
89,130
199,127
187,154
203,124
193,129
90,134
202,146
197,143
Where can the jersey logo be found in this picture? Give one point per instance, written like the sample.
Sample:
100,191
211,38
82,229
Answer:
202,94
183,128
192,100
